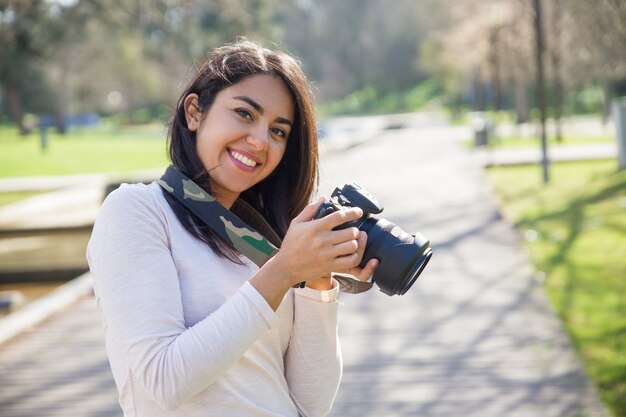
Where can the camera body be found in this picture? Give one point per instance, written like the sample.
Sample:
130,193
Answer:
402,257
350,195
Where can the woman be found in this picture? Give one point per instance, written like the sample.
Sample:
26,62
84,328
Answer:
192,327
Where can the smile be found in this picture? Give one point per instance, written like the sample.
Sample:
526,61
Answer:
243,159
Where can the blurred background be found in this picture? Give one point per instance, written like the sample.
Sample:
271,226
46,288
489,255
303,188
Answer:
79,62
87,88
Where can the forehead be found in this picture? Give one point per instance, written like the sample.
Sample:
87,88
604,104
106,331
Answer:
270,92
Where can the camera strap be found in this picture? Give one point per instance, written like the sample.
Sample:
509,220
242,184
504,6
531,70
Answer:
224,222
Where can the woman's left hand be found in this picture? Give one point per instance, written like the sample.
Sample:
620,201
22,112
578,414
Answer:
362,274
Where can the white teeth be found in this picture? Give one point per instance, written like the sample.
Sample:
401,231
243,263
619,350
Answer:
244,160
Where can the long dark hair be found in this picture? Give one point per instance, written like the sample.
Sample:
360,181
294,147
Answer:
285,192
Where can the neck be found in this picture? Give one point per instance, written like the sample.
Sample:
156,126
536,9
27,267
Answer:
226,199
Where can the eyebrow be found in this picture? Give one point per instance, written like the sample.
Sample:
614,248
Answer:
259,109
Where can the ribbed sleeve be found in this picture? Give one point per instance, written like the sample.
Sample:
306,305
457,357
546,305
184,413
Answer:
313,362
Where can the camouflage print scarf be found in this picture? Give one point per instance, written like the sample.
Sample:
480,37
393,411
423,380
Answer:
243,237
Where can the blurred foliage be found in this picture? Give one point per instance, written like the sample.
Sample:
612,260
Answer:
373,101
587,100
485,53
62,57
575,229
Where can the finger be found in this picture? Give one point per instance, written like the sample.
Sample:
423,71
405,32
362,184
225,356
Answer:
346,263
309,211
362,241
340,217
343,235
366,273
346,248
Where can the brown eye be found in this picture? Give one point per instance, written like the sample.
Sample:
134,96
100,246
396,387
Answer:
279,132
244,113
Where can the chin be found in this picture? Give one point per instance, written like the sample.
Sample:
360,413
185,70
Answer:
243,188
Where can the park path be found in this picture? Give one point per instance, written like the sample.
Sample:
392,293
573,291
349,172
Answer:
473,337
59,368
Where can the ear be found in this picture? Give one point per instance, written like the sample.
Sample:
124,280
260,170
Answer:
192,112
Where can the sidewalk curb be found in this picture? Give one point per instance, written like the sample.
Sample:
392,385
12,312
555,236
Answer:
57,182
39,310
488,157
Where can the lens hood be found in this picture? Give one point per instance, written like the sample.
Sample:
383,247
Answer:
402,257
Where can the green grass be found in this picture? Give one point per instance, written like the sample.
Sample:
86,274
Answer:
88,150
576,233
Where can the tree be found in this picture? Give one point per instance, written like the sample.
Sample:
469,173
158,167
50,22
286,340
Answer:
21,35
34,34
355,44
601,33
82,51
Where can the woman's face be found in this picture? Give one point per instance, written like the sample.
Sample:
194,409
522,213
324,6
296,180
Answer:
243,136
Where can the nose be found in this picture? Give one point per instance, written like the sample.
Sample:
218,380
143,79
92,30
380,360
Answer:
259,138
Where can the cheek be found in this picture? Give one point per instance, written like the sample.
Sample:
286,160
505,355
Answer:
278,153
202,151
275,156
207,148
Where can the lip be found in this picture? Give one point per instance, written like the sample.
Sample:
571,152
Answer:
240,165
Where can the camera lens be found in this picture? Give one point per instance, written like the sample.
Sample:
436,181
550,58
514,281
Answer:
402,256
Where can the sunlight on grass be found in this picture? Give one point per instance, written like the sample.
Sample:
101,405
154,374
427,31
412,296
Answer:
578,238
87,150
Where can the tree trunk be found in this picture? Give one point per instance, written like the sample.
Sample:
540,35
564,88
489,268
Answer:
520,95
62,108
495,69
555,58
541,100
15,106
607,92
478,94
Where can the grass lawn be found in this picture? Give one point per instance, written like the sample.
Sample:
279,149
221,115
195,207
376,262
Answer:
82,150
575,230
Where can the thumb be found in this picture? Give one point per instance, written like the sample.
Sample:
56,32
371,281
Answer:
309,211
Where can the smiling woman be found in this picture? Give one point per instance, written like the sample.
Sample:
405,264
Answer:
193,327
243,136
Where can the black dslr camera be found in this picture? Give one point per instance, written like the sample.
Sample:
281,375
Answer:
402,256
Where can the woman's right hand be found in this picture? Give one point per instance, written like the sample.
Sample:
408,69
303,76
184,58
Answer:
311,249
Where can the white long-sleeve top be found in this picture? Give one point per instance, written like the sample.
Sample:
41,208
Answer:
186,333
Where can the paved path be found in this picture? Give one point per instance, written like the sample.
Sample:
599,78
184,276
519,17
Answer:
473,337
59,368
